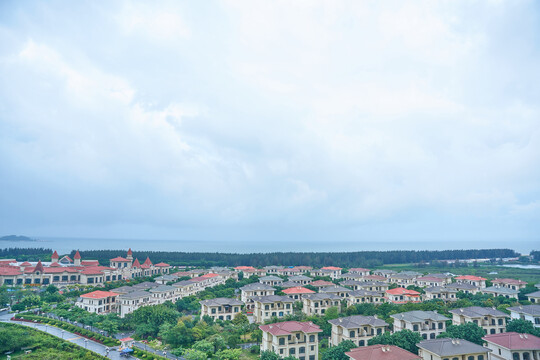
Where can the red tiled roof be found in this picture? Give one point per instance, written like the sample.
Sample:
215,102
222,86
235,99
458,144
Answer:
98,294
7,261
322,283
381,352
331,268
55,265
68,258
402,291
514,341
298,290
144,266
162,264
358,269
130,252
288,327
26,263
10,270
244,268
39,267
77,255
90,262
57,270
136,263
126,339
470,277
92,271
209,275
147,262
509,281
54,255
119,258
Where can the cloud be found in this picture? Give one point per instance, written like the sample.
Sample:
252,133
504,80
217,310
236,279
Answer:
264,114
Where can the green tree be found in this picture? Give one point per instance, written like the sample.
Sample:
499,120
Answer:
192,354
468,331
522,326
204,346
229,354
240,319
269,355
405,339
338,352
331,313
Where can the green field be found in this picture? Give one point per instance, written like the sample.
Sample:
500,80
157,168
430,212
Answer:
529,275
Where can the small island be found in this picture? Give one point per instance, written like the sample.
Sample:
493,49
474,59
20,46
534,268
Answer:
16,238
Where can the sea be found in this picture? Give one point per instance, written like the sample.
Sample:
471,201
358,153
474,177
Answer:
65,245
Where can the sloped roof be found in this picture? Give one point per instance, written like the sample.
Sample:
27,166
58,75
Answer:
162,264
221,301
515,341
272,299
119,259
77,255
256,286
402,291
381,352
289,327
470,277
450,347
298,290
419,316
476,311
10,270
99,294
356,321
54,255
533,310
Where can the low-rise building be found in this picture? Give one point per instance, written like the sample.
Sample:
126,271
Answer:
330,271
429,324
131,301
291,338
477,281
300,279
401,296
359,329
430,281
353,284
513,346
451,349
526,312
383,272
491,320
341,291
364,296
271,280
501,291
378,286
317,304
381,352
534,297
252,290
464,287
221,308
98,302
321,283
361,271
440,293
272,306
402,279
510,283
163,293
297,292
164,279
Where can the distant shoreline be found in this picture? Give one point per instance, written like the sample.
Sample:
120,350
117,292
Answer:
17,238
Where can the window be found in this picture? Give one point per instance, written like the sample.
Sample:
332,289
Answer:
292,351
470,357
415,327
281,341
480,357
441,325
515,356
302,350
361,343
500,321
311,338
311,357
351,333
526,356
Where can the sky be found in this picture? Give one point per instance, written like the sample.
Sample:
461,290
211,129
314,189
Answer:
310,120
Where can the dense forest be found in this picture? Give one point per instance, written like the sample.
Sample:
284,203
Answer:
31,254
343,259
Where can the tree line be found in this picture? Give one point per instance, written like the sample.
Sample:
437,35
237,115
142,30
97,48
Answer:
315,259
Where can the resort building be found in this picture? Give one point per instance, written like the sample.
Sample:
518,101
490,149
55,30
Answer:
501,291
271,280
526,312
359,329
317,304
364,296
252,290
291,338
401,296
429,324
451,349
491,320
98,302
297,292
477,281
272,306
221,308
512,284
513,346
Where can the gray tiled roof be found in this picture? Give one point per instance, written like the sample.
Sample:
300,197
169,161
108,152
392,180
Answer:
533,310
450,347
476,311
534,294
272,299
270,278
299,278
463,286
163,288
288,284
359,293
352,322
183,283
500,290
146,285
221,301
439,289
256,286
334,289
351,283
135,295
419,316
322,296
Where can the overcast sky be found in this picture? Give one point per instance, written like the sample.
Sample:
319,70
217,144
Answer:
294,120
